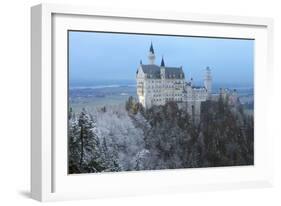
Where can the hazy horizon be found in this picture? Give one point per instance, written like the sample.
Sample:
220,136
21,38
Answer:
96,57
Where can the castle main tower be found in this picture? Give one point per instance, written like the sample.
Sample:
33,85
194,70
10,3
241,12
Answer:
162,69
151,55
208,82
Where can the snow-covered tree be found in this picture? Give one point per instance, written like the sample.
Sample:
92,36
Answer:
84,145
73,145
110,161
129,137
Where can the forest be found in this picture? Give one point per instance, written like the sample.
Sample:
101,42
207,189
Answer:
132,138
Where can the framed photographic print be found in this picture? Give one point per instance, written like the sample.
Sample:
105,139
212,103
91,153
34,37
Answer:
134,102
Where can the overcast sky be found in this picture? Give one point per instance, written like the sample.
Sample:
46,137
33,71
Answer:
97,56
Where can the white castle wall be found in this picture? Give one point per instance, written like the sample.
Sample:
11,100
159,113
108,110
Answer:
160,91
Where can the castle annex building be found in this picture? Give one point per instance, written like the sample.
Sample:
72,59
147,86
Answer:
157,85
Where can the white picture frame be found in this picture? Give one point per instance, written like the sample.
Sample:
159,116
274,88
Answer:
49,179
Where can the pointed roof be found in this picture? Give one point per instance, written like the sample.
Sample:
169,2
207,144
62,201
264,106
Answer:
151,48
153,72
162,62
140,61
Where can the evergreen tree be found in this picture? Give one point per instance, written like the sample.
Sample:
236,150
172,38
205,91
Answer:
84,147
110,161
73,146
129,103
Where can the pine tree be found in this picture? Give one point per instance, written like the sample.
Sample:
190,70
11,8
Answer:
73,146
129,103
90,154
110,161
84,146
142,160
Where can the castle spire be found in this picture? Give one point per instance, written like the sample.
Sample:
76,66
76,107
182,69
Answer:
208,81
162,62
151,48
151,55
162,68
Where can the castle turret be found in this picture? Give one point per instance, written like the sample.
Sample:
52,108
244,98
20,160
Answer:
191,81
208,82
234,97
151,55
162,69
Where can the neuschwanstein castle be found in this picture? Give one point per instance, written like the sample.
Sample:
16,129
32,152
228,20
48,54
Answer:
157,85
